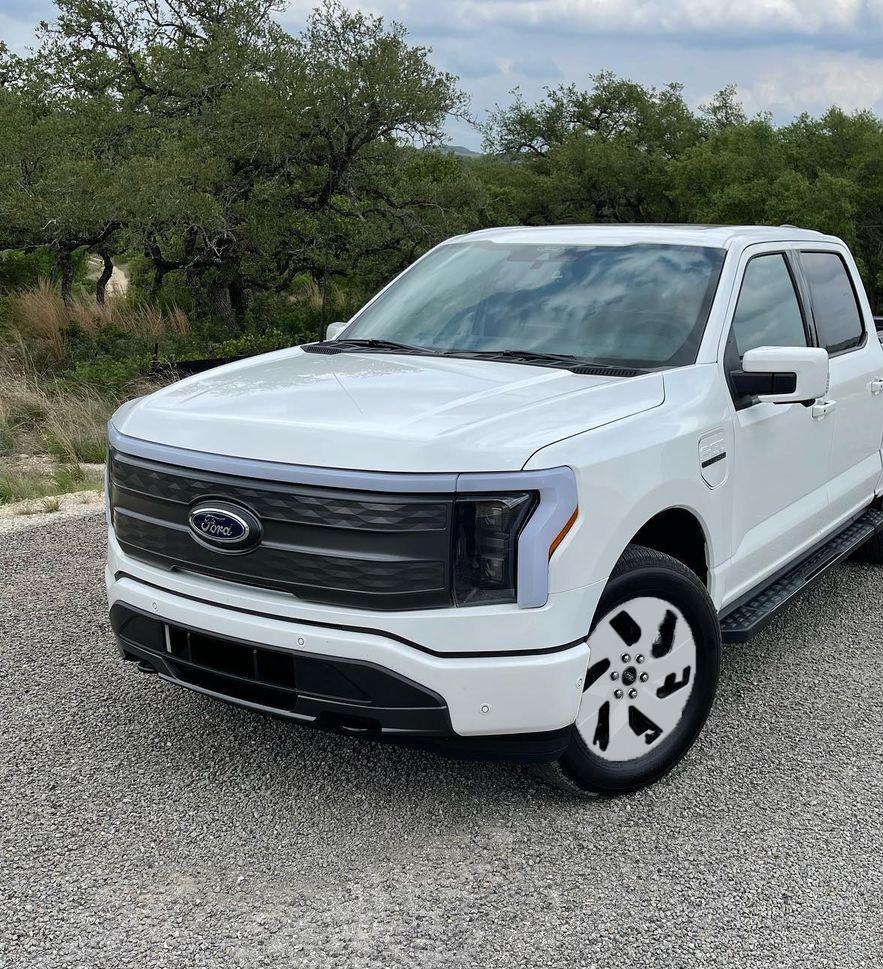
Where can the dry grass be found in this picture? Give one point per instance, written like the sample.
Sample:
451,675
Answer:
70,426
40,322
76,428
309,292
42,506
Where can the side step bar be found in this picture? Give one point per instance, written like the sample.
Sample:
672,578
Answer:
741,622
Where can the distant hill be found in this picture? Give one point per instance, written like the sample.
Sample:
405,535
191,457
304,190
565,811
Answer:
460,150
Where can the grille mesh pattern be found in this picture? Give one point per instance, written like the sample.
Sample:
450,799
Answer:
321,544
278,502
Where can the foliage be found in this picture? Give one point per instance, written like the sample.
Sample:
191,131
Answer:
258,185
227,151
621,152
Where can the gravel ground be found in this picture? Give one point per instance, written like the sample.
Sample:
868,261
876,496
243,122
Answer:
24,515
141,825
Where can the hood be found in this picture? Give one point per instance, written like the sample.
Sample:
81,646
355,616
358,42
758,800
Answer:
382,412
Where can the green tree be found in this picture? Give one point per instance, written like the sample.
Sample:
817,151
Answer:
57,184
255,156
600,155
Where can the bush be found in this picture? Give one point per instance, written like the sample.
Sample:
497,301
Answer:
250,344
21,269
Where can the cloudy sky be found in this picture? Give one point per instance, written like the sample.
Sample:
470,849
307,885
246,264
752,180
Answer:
786,56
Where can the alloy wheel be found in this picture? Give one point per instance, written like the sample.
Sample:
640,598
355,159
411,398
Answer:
640,677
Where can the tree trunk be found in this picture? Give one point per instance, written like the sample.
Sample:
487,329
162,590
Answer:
238,300
63,270
219,300
103,279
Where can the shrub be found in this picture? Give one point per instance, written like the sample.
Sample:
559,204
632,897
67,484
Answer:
250,344
20,269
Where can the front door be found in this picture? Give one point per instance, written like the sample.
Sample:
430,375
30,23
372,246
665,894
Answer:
780,468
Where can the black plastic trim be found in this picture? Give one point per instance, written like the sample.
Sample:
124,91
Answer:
714,460
423,711
744,618
367,630
427,727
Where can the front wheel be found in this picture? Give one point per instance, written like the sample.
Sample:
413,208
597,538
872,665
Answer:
652,676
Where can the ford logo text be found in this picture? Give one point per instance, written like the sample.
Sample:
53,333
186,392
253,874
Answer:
224,527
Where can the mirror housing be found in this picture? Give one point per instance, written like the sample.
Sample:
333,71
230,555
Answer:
783,375
333,330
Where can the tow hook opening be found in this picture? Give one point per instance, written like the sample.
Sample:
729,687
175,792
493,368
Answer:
344,723
141,664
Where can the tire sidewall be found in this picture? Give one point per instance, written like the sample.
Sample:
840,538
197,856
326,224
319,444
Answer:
682,589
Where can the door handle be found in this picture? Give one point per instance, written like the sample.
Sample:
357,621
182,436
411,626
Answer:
822,408
876,386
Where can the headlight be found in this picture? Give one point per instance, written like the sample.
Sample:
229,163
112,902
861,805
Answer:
486,530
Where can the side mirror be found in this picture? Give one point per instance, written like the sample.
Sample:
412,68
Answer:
783,375
333,330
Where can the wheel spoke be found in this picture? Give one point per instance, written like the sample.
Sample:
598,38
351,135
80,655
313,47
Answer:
681,655
665,710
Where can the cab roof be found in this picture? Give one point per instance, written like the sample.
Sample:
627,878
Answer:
716,236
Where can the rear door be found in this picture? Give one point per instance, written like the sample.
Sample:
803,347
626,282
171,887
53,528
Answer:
845,327
782,455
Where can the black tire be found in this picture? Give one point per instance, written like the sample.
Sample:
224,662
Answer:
643,572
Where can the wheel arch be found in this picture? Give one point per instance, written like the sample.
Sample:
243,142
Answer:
681,533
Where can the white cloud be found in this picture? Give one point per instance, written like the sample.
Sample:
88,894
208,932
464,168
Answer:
796,18
809,81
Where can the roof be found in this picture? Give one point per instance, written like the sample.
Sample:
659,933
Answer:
717,236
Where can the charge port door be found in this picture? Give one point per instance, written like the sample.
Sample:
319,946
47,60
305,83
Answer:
713,457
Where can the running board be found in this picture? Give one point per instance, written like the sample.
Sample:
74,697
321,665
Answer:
746,620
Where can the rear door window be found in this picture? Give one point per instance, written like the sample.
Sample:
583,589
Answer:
834,305
768,312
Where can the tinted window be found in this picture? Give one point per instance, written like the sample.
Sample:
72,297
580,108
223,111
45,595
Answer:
639,305
768,314
834,307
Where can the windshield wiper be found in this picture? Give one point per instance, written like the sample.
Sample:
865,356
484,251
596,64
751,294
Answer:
341,346
380,345
539,356
567,361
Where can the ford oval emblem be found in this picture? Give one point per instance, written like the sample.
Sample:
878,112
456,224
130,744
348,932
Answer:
224,527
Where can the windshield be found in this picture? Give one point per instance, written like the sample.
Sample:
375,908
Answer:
638,305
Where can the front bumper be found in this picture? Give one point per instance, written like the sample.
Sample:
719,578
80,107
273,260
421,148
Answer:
515,706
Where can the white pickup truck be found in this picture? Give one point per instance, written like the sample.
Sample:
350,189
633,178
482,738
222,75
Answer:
513,507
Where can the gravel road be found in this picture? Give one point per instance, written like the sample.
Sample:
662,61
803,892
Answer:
141,825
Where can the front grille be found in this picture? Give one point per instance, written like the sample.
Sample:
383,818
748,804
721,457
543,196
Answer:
329,545
334,692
